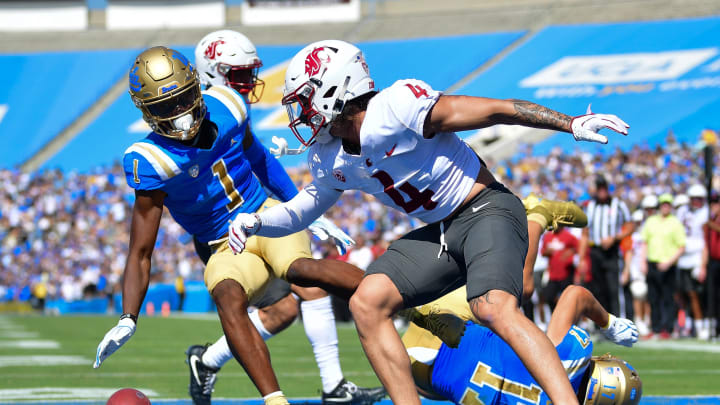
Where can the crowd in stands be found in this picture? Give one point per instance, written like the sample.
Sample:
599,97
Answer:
65,235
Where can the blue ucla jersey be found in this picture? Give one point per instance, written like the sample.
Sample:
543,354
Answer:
205,188
485,370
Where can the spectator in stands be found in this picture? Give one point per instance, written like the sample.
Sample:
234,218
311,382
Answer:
649,205
560,247
634,267
664,238
693,216
606,216
712,258
534,307
626,301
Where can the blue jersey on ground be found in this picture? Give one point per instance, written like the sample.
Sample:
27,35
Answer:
485,370
206,188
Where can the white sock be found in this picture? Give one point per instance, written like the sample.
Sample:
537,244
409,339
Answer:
688,323
319,323
698,323
255,319
217,354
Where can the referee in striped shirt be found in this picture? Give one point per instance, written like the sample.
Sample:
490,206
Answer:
606,216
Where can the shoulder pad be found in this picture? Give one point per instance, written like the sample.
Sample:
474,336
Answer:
410,101
231,99
147,166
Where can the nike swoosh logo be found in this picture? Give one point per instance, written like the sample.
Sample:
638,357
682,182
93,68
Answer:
479,207
390,152
348,397
193,366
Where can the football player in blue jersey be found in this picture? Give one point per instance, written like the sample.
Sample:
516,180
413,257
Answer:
485,370
229,58
204,165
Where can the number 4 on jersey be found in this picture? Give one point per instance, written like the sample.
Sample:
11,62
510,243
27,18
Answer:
417,198
417,90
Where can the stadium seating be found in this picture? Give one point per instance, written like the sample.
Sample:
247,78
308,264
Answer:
655,75
44,92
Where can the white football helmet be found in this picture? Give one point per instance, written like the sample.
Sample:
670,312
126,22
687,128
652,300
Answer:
228,58
649,201
680,200
697,191
319,80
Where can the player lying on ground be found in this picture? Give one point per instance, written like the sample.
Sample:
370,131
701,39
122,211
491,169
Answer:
399,145
204,164
485,370
277,305
229,58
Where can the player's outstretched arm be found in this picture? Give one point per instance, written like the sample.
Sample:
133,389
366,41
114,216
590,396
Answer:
267,169
461,113
146,215
283,219
147,212
577,302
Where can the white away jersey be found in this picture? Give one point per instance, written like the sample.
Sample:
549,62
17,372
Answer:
426,178
693,221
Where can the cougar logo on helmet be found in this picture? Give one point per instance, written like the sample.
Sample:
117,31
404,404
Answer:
315,60
211,50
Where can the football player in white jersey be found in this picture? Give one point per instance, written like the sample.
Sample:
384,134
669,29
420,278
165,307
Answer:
690,265
399,145
229,58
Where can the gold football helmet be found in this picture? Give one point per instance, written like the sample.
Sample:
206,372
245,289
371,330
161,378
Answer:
164,85
612,382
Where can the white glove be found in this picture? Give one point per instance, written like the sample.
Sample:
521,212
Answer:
586,127
115,338
621,331
282,148
241,228
323,228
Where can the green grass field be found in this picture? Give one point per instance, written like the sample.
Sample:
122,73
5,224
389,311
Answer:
154,358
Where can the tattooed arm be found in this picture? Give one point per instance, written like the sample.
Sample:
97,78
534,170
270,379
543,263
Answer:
460,113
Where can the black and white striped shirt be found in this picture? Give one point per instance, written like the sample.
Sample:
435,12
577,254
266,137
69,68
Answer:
606,219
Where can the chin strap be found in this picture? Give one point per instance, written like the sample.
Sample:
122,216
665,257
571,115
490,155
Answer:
340,102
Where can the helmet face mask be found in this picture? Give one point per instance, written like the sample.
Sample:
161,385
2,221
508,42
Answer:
319,80
228,58
164,86
301,112
244,79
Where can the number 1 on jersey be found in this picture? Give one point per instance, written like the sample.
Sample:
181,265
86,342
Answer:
220,170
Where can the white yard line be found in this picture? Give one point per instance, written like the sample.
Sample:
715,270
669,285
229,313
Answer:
692,371
29,344
686,346
45,393
17,334
184,373
39,360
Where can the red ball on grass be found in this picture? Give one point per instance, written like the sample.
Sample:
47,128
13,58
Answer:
128,396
